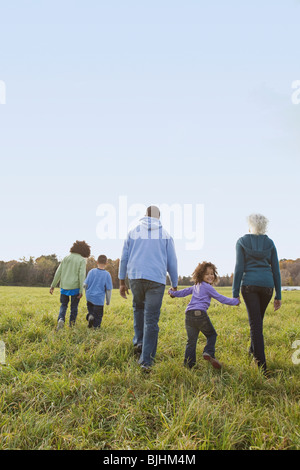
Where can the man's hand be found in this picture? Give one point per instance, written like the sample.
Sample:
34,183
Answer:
79,296
51,290
123,289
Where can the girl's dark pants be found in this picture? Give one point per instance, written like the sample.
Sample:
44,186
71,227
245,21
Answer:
197,321
257,299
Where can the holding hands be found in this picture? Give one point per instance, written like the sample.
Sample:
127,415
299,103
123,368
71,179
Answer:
170,292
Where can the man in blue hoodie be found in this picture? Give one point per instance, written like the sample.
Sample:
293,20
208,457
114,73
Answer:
148,255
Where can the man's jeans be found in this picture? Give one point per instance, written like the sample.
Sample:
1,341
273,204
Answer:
64,300
197,321
147,300
257,299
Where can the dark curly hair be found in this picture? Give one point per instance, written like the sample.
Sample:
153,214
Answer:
199,272
81,248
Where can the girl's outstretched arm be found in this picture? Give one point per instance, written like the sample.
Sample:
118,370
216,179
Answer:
222,299
181,293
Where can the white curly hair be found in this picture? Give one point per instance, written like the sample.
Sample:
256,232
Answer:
257,224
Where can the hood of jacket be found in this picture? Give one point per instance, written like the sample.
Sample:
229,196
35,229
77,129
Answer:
150,223
147,227
257,246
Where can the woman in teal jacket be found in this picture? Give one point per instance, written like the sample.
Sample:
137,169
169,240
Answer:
257,273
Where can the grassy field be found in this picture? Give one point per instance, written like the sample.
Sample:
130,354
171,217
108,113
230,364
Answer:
82,389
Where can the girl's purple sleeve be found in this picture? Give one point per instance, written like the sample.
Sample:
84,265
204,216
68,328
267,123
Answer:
222,299
182,292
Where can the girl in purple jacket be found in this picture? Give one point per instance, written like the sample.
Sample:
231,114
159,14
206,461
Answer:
196,318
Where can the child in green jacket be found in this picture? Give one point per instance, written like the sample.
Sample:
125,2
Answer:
71,274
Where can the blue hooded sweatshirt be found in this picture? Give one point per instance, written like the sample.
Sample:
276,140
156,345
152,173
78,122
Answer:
256,264
149,253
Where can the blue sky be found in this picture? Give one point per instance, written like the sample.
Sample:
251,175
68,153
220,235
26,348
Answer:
185,102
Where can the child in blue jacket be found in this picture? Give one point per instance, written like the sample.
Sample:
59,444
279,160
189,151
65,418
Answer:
98,285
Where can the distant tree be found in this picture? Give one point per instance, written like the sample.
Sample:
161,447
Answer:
45,267
23,272
186,281
91,263
224,281
286,278
2,273
113,269
9,272
290,272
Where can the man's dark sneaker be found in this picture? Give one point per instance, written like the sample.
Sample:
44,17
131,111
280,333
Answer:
146,369
137,349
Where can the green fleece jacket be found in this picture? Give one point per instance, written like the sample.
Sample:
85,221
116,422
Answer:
71,273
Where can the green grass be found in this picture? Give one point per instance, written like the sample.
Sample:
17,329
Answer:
83,389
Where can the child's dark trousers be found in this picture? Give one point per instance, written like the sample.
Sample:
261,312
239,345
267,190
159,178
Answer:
97,312
197,321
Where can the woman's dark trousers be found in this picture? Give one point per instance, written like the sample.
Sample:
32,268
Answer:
257,299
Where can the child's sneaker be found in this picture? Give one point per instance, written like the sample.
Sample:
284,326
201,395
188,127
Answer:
216,364
60,324
91,321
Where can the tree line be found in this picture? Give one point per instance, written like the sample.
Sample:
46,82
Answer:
39,272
